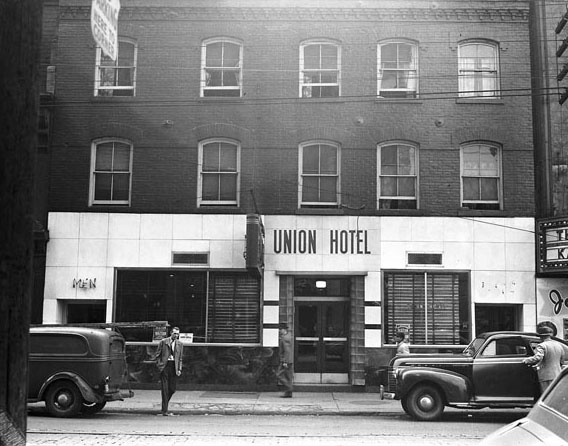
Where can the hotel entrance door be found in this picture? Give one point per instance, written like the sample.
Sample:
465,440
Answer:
321,342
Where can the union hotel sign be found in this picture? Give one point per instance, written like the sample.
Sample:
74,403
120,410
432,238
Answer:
311,241
553,245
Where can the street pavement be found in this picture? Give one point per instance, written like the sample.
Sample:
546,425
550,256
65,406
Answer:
200,402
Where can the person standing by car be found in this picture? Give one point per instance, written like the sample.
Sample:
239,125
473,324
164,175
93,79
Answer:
549,357
168,358
402,344
286,368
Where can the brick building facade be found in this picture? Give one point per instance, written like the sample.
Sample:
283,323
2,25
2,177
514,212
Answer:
386,150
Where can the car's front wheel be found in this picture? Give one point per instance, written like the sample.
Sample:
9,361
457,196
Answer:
63,399
424,403
92,408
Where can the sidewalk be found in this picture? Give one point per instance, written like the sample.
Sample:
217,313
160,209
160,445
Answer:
199,402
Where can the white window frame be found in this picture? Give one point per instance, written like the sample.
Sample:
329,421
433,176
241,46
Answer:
412,71
305,84
203,81
111,88
499,176
301,175
94,146
200,201
415,175
478,72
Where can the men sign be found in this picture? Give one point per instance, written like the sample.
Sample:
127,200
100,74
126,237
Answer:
104,24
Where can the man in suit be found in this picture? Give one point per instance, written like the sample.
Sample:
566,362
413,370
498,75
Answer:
549,357
286,369
168,358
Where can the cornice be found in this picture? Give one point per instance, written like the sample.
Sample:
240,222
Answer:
307,14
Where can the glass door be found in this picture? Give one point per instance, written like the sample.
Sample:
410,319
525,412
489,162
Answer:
321,342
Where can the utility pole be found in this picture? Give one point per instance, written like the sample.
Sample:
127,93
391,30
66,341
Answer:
541,109
20,35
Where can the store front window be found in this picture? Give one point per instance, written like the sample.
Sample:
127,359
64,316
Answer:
432,307
215,307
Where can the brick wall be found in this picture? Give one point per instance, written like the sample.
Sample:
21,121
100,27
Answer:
270,121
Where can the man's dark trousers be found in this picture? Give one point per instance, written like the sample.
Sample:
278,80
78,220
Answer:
168,378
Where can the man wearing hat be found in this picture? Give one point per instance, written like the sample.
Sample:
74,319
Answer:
286,368
549,357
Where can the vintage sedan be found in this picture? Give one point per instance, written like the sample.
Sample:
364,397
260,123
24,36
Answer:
489,373
545,425
76,369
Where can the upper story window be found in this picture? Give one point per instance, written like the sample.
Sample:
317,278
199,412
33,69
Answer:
398,176
319,175
221,68
219,167
111,172
397,69
481,176
320,65
478,69
117,77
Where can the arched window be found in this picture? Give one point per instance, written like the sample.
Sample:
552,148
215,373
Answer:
319,174
481,176
397,69
111,172
320,69
117,77
221,68
219,168
398,176
478,69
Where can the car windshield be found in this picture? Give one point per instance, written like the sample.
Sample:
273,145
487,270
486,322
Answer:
473,346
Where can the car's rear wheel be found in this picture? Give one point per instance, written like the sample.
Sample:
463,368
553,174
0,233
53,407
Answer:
424,403
92,408
63,399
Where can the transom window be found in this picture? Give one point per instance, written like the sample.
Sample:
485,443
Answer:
219,165
117,77
478,69
481,176
320,64
398,176
397,70
319,175
221,63
111,172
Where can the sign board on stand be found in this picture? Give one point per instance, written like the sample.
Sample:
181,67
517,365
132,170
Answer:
104,25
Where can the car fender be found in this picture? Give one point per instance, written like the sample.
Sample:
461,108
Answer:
456,387
89,395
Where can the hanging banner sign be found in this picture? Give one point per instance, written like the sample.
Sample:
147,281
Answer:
104,24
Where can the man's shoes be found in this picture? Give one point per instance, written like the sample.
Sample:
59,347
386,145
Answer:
286,395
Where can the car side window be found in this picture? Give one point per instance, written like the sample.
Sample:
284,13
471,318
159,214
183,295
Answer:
505,347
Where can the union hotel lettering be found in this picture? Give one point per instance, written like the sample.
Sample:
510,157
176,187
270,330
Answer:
304,241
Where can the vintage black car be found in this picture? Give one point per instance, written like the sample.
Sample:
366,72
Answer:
76,369
488,373
545,425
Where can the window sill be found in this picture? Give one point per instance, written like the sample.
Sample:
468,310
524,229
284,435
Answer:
220,209
112,98
464,212
413,101
491,101
319,211
221,99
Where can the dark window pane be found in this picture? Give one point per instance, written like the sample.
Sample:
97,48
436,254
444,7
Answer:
471,188
210,188
328,193
228,187
406,187
310,189
121,187
489,189
213,55
103,155
103,182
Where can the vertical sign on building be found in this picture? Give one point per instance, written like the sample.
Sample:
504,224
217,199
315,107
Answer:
104,24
